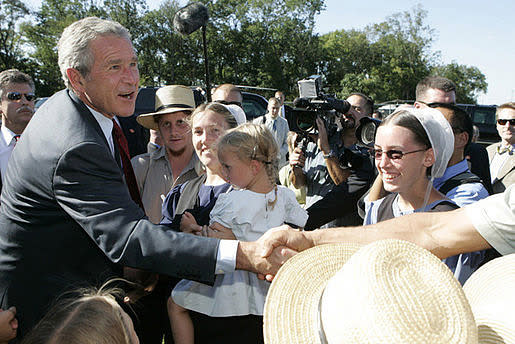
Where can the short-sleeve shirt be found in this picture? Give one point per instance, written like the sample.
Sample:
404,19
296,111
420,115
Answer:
494,219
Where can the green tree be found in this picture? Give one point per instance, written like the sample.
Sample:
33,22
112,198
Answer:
468,79
11,41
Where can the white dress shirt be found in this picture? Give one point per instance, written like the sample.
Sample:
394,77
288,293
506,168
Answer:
7,143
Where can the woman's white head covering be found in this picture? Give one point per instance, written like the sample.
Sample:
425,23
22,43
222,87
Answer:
237,112
440,135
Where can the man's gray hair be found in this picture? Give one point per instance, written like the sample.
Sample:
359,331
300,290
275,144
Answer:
14,76
73,47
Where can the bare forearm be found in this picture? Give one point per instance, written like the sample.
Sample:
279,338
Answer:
297,177
377,190
338,174
444,234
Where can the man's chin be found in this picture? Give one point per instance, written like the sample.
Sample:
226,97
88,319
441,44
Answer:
176,152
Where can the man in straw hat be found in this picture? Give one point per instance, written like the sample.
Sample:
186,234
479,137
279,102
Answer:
175,162
487,223
157,172
67,216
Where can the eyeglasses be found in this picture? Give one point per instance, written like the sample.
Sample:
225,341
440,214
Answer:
504,121
224,102
392,154
16,96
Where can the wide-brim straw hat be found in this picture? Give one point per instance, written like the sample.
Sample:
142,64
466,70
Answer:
169,99
390,291
491,294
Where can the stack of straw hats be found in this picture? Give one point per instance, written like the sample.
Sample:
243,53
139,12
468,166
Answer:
390,291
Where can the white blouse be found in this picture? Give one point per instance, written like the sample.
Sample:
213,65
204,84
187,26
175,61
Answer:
249,216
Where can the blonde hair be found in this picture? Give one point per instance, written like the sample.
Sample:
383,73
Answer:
253,142
93,317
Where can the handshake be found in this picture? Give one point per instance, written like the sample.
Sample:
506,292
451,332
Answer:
266,255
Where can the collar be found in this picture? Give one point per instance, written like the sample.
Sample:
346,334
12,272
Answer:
194,164
106,124
509,148
450,172
7,135
268,116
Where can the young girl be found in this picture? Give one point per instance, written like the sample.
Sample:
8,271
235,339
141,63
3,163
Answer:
412,147
87,316
248,155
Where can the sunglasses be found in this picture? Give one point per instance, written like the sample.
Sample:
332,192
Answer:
392,154
224,102
16,96
504,121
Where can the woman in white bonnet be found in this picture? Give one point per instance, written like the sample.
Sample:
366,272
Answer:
412,147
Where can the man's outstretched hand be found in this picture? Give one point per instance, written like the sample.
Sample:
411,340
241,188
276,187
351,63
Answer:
271,251
284,236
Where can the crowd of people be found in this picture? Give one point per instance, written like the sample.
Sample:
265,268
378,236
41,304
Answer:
198,223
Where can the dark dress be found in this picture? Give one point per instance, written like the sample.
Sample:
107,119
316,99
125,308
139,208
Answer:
206,199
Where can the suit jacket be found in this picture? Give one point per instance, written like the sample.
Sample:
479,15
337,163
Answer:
478,157
506,175
67,219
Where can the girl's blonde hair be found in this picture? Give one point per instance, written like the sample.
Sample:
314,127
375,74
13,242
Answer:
86,316
253,142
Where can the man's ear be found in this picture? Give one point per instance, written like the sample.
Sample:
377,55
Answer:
76,80
461,139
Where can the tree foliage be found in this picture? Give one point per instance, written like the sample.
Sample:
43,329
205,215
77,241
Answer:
268,43
11,41
469,80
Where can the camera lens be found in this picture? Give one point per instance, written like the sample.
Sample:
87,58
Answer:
306,120
368,133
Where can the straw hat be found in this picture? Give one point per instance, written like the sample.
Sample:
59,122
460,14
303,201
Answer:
390,291
169,99
490,292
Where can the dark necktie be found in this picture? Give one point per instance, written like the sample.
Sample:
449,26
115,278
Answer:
16,138
130,178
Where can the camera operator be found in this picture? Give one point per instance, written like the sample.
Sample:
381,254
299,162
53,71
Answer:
335,175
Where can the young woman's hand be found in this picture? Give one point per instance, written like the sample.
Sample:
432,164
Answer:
216,230
189,224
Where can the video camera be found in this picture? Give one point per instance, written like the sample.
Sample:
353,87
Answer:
312,103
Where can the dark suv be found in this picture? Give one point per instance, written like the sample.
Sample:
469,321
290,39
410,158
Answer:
483,117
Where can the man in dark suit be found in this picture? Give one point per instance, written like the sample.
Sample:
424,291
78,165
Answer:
67,218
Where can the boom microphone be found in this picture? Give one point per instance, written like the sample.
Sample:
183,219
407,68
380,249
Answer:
190,18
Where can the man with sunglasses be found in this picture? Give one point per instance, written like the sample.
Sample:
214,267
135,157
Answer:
16,107
502,154
434,90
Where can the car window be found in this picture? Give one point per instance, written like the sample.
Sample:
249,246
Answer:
484,116
253,109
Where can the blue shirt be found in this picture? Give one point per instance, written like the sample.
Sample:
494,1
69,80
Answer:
462,265
465,193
